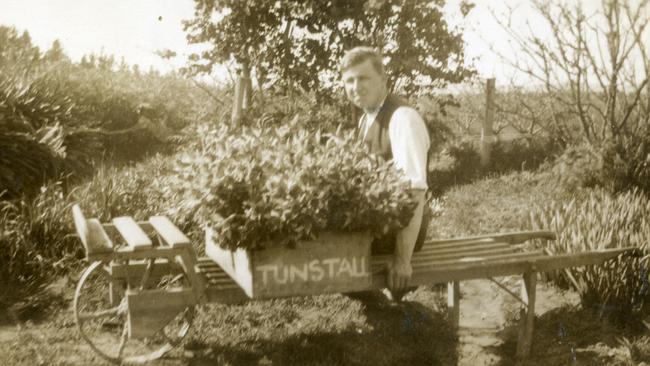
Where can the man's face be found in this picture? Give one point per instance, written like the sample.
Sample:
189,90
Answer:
364,86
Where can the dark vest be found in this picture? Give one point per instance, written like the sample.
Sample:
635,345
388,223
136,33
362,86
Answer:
378,142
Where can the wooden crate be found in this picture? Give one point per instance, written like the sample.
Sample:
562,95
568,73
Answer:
333,262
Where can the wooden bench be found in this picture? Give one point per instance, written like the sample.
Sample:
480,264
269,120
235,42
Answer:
130,260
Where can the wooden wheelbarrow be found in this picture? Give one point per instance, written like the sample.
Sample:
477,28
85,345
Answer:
136,300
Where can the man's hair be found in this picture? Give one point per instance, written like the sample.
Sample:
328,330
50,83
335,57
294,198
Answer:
359,55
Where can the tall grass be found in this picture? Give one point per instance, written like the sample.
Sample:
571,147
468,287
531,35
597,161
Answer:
37,235
601,220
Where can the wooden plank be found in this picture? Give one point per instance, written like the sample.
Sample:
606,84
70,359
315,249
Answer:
453,303
168,232
92,235
512,238
157,252
149,311
136,268
475,244
484,259
526,325
484,252
330,263
500,267
237,264
463,249
455,242
559,261
133,234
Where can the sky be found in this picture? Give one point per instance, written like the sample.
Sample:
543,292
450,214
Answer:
135,29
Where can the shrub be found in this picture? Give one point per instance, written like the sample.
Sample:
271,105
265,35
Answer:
457,163
261,187
274,110
35,238
600,221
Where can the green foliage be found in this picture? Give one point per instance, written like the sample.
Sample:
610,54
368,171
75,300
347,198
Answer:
615,167
260,187
459,162
299,43
67,118
313,114
601,221
35,238
35,233
25,165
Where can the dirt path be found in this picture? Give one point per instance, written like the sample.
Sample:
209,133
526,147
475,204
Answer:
488,314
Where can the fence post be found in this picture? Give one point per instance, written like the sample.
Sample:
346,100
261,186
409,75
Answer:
242,95
487,135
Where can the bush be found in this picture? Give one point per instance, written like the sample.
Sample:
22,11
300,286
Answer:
35,239
259,187
616,165
460,163
601,221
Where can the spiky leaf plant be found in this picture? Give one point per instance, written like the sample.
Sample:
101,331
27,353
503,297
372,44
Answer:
599,221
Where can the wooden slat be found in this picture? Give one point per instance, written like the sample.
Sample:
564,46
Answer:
91,233
133,234
98,241
152,310
500,267
559,261
464,250
112,231
512,238
456,243
459,245
136,268
379,265
477,259
458,256
168,232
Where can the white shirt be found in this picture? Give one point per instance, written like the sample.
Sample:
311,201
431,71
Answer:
409,142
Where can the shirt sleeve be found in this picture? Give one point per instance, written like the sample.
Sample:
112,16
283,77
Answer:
409,140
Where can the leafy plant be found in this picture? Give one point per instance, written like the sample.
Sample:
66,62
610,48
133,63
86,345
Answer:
601,221
260,187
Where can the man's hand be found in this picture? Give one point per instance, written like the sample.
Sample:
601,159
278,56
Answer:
399,274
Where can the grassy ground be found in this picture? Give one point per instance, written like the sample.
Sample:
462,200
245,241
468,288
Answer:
336,330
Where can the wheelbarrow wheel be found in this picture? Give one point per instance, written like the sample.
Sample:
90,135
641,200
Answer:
101,313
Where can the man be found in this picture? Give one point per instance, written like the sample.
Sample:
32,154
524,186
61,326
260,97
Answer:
393,130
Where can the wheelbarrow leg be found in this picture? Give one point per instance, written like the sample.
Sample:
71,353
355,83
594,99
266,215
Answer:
526,321
453,303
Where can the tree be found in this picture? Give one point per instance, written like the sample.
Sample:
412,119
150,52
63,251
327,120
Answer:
55,53
594,67
15,49
298,42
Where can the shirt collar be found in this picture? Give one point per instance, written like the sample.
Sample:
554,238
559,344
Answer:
370,117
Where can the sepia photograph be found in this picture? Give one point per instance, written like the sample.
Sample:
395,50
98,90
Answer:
325,182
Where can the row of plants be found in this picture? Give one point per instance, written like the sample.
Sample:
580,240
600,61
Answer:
597,219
